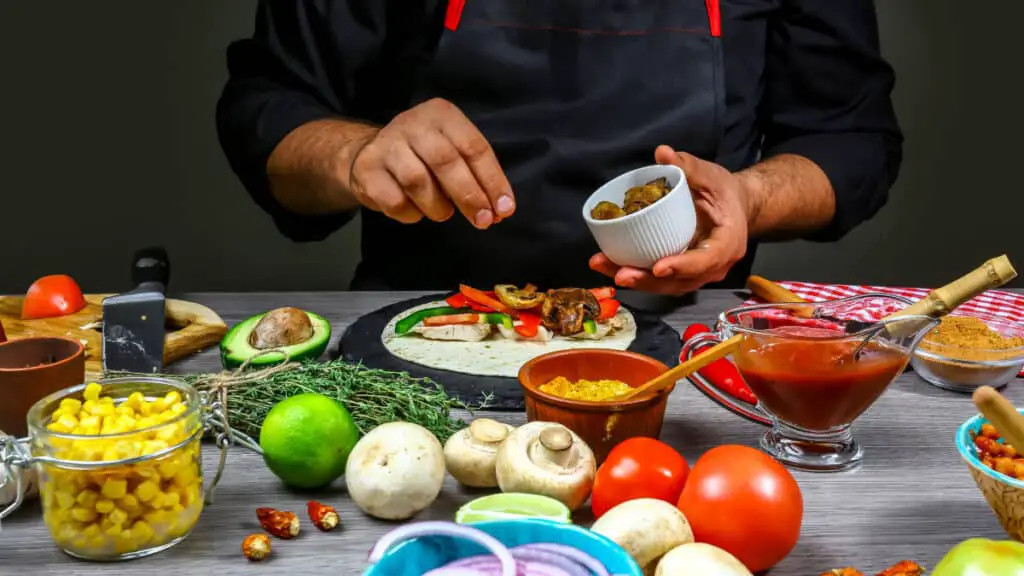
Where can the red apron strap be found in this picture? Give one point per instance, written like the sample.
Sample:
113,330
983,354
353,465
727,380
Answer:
454,13
714,17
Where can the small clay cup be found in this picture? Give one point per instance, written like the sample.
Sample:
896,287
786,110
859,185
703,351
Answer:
602,425
32,368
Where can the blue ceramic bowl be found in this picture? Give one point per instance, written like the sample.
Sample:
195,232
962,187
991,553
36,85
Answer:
1005,495
418,556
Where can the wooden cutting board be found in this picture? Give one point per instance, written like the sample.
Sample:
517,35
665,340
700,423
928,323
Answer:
194,326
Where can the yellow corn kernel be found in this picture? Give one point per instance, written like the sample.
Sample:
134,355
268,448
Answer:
87,498
66,532
178,409
97,543
159,405
171,500
104,506
71,405
102,409
65,500
146,491
145,422
151,446
83,514
141,532
106,400
92,391
186,475
145,409
129,501
172,398
117,516
123,410
79,543
114,530
90,422
91,530
114,488
157,518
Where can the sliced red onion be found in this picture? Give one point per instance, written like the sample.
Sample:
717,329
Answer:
489,566
450,571
506,564
581,557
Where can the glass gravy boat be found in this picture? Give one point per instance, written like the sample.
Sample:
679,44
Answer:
815,368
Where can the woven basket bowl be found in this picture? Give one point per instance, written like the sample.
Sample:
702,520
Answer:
1005,495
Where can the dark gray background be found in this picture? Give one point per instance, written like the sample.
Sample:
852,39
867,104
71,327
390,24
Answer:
107,143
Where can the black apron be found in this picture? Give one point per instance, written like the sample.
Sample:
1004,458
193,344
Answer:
570,93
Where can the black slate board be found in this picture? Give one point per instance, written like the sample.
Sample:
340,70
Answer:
361,343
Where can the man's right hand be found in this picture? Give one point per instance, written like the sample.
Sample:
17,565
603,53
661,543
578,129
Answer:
428,161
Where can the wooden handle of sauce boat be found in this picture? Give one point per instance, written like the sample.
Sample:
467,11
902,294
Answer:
941,301
684,369
1001,414
769,291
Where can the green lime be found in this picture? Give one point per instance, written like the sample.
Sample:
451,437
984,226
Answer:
513,505
306,440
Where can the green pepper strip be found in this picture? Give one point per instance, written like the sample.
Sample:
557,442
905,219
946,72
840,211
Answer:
498,318
409,322
589,326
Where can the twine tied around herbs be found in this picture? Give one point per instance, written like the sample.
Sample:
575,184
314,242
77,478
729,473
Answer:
217,385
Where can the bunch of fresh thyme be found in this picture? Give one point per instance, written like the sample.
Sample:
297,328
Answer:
372,396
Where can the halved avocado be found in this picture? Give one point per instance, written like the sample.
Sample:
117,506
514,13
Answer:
237,345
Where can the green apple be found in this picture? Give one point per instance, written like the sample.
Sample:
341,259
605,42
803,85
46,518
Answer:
982,557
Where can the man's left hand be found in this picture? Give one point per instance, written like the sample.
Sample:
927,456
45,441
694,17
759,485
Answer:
723,205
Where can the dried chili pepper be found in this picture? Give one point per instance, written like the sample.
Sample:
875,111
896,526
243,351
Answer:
324,517
904,568
843,572
256,547
278,522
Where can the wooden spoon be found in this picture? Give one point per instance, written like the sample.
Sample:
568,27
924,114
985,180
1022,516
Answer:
684,369
1001,414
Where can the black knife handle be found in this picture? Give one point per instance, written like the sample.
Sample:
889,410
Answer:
151,267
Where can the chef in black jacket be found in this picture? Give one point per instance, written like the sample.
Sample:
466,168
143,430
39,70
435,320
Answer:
470,132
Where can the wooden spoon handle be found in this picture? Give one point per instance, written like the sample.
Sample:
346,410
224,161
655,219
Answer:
1001,414
769,291
684,369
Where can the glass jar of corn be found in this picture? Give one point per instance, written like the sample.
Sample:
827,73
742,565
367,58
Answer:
120,474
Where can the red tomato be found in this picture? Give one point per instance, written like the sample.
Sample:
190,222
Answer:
743,501
603,293
638,468
609,308
54,295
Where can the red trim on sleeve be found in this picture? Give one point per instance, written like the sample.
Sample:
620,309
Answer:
714,17
454,13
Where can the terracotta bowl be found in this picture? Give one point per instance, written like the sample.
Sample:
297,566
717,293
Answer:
32,368
602,425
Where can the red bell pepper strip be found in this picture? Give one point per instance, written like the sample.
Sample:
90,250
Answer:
721,373
529,324
605,293
461,302
452,319
609,308
481,297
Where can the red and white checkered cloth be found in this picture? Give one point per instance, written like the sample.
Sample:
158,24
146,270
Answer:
999,303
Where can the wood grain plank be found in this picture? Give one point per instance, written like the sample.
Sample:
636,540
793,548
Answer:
912,499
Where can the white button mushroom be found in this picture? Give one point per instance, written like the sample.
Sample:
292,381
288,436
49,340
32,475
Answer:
700,559
546,458
647,528
470,454
395,471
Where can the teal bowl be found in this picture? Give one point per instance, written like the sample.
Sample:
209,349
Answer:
418,556
1005,495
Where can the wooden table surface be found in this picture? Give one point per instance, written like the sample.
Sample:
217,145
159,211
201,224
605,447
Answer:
911,499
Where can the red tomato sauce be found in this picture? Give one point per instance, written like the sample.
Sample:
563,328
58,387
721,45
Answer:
816,385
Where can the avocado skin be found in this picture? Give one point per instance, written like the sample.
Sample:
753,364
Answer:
310,349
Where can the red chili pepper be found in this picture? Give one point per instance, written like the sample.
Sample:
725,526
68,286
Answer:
609,308
528,325
605,293
721,373
483,298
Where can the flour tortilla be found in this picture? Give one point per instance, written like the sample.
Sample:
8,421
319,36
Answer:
496,355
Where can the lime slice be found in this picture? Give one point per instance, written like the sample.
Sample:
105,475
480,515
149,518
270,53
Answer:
511,506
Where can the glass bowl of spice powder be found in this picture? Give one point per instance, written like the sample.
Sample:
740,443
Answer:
965,352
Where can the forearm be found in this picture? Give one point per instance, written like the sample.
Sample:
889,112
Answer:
788,196
309,170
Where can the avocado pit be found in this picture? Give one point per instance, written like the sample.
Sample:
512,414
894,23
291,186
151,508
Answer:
281,327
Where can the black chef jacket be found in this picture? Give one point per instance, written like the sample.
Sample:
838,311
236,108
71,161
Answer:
570,93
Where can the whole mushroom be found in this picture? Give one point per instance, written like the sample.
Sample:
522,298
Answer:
546,458
470,454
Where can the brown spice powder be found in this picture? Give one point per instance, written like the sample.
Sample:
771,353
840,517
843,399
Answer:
974,338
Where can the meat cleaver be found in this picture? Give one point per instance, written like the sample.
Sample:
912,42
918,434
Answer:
133,322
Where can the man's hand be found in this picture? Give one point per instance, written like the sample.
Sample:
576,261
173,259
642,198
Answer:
724,207
427,162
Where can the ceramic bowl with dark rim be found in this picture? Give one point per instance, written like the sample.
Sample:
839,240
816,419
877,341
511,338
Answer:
1005,495
601,424
418,556
33,368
